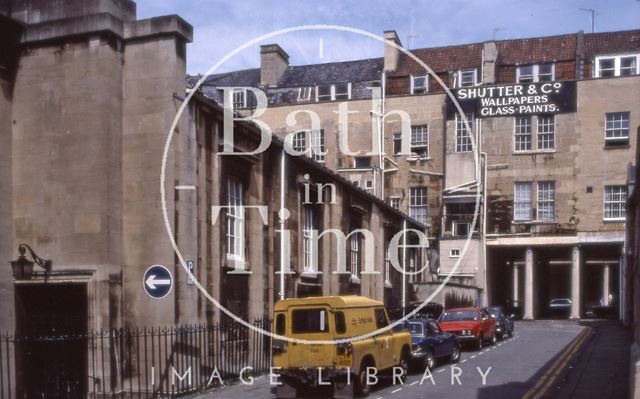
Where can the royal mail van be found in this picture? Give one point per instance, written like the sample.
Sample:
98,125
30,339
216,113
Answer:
344,366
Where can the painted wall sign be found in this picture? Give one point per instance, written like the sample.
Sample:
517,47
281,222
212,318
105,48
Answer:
515,99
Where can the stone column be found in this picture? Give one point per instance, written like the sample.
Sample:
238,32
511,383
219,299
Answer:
575,283
605,284
528,284
515,285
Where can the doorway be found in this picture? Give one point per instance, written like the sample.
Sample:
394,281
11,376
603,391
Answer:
51,355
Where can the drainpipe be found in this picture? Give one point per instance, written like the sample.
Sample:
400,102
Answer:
282,223
485,296
404,266
383,83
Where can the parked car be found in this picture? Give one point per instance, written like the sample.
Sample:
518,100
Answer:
430,344
470,325
504,323
560,307
335,318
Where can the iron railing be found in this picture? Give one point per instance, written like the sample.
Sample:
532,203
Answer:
131,363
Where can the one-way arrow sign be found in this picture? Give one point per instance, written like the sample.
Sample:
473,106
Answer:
157,281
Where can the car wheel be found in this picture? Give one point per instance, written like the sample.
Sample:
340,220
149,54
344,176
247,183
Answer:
479,342
361,386
493,339
429,361
455,355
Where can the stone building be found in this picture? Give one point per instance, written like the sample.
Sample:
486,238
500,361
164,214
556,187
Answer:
90,94
523,195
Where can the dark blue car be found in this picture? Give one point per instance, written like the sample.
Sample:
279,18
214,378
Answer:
429,343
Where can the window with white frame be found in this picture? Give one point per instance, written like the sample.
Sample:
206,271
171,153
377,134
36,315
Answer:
616,130
522,133
615,198
535,73
394,202
368,185
463,135
522,201
546,201
239,98
617,65
397,143
235,219
324,93
420,140
454,253
464,78
318,147
419,84
524,126
387,264
309,226
304,93
354,258
546,132
418,204
332,92
299,142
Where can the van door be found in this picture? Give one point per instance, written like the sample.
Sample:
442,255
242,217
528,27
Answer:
386,345
311,323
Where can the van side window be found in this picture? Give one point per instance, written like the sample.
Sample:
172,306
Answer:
381,318
341,326
280,324
309,321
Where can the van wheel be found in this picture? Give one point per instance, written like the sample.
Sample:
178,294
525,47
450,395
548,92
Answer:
361,387
404,363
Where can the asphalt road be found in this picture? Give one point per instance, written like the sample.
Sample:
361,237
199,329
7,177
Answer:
521,367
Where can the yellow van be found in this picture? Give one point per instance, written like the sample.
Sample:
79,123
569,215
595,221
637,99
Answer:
344,366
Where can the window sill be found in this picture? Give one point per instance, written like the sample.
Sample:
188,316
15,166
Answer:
534,152
534,222
624,146
622,220
414,159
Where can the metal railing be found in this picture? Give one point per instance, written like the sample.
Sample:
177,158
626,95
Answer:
131,363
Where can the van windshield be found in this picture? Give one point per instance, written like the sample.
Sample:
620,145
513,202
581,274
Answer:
309,321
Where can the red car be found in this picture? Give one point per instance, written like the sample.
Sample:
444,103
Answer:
470,325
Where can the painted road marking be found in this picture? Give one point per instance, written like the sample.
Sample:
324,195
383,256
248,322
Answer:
397,390
440,371
474,356
552,373
414,383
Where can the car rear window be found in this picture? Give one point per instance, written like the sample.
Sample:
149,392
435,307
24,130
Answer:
415,328
459,315
309,321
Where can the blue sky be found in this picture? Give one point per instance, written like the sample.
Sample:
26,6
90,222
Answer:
222,25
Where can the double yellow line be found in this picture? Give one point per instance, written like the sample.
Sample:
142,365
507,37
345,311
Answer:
551,375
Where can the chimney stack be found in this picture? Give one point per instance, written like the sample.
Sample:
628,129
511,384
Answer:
391,53
274,61
489,60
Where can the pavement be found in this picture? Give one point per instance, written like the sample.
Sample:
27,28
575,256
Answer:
545,359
